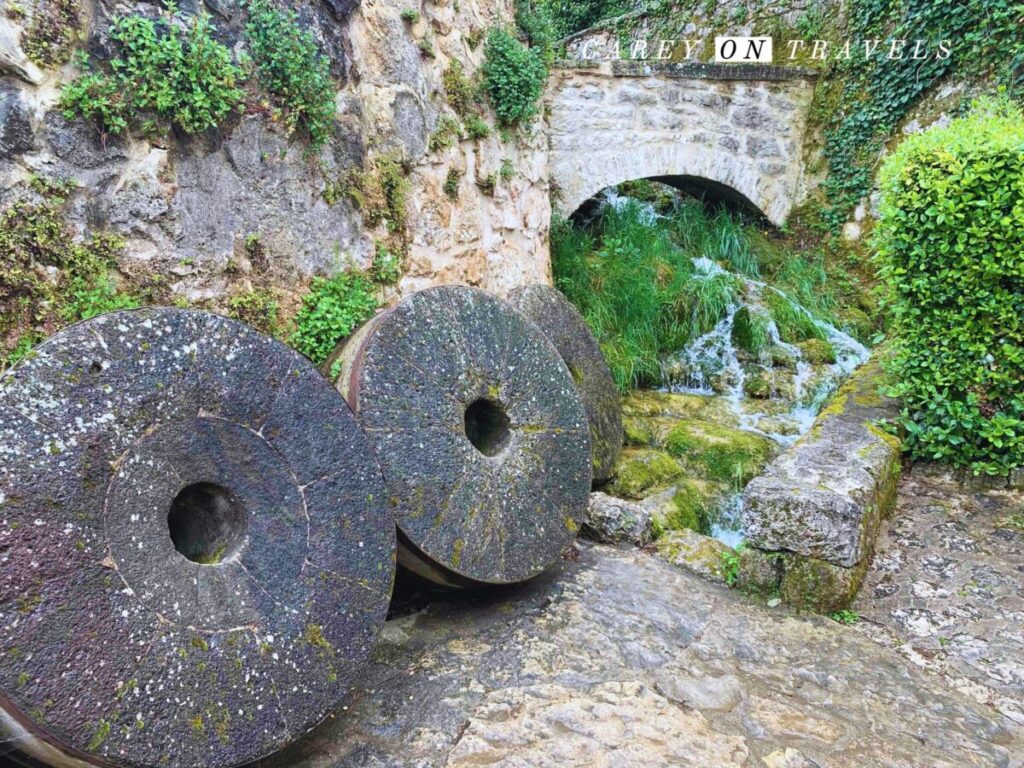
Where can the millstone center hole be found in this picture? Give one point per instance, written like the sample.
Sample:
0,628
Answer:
207,523
488,427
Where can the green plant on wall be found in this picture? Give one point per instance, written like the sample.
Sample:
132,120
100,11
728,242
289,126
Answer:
514,77
181,75
34,237
951,244
290,66
331,310
51,35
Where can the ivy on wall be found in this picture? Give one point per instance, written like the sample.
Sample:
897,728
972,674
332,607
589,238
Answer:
870,96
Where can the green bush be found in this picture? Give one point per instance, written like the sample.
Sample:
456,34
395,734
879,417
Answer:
292,69
951,243
330,312
184,76
514,77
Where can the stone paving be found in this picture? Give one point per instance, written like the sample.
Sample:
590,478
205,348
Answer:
946,588
616,658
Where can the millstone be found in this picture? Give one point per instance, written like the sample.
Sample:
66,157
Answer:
479,431
196,553
567,330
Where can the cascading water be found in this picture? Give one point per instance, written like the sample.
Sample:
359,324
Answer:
713,365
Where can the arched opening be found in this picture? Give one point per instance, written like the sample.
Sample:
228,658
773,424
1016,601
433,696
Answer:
713,194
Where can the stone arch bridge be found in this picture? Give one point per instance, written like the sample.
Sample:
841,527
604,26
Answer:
733,132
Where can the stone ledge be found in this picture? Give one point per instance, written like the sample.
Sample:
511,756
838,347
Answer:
818,506
688,70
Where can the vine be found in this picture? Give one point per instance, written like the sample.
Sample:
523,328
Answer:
878,91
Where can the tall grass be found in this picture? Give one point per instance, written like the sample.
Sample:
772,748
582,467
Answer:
635,282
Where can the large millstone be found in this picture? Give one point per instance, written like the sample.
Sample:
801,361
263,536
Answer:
479,430
196,553
565,327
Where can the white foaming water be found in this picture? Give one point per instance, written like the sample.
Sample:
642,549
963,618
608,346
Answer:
711,365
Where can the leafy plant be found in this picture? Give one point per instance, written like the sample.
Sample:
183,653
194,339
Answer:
451,183
291,67
872,94
410,15
331,310
731,565
951,243
447,134
514,77
181,75
387,267
847,617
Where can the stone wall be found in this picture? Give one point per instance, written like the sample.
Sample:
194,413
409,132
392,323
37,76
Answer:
742,127
186,206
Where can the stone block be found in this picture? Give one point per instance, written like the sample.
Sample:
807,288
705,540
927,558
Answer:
616,521
700,555
819,586
825,497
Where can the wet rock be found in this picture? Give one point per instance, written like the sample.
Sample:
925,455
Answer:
616,521
568,331
172,545
480,432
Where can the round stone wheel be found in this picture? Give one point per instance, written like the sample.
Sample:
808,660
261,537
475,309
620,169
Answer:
479,430
196,551
568,331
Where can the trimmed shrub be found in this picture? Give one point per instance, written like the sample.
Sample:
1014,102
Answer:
951,244
514,77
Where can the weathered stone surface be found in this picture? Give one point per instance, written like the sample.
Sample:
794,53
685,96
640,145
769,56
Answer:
945,586
640,472
695,553
196,552
568,331
619,659
480,432
615,521
824,498
15,124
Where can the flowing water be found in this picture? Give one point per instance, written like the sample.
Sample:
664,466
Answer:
713,365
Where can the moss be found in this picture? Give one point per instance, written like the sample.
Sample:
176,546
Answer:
99,736
716,452
639,472
758,385
258,308
819,586
818,352
639,431
644,402
691,507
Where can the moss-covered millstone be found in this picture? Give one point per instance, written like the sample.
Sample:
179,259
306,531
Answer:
197,554
568,331
480,432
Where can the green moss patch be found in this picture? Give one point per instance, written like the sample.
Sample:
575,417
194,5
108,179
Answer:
692,507
641,471
818,352
715,452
